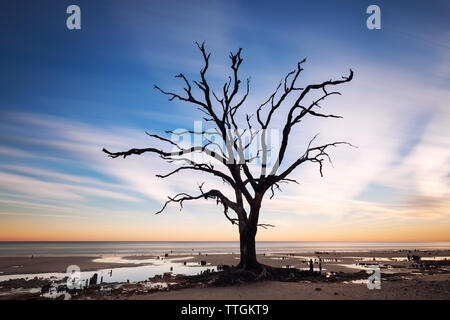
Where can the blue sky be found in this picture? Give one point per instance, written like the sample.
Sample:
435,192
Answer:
66,94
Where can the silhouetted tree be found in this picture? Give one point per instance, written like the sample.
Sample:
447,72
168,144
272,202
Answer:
248,189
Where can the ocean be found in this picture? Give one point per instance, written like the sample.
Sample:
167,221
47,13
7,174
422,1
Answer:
159,247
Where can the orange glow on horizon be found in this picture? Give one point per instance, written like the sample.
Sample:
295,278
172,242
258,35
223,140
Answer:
20,232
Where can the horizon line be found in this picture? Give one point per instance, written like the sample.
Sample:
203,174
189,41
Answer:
237,241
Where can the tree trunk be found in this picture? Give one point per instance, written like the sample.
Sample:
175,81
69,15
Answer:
247,234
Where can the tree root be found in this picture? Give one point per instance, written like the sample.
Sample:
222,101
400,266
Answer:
241,276
264,274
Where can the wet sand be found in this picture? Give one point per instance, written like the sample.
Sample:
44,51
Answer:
351,261
401,279
406,278
432,288
25,265
331,261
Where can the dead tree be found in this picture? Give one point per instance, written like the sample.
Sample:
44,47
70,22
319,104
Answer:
221,111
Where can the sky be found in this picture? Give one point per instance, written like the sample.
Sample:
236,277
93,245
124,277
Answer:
66,94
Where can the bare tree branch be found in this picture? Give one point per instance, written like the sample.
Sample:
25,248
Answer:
291,120
231,143
211,194
318,157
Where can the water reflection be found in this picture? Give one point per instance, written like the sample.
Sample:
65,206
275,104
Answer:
151,268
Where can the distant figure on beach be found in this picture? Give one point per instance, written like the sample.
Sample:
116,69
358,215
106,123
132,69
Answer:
110,273
311,267
320,267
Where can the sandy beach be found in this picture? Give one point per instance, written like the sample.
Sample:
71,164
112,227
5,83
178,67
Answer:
24,265
426,287
343,276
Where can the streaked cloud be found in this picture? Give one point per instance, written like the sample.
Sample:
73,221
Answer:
66,98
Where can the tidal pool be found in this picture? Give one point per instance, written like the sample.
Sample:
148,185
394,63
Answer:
145,269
